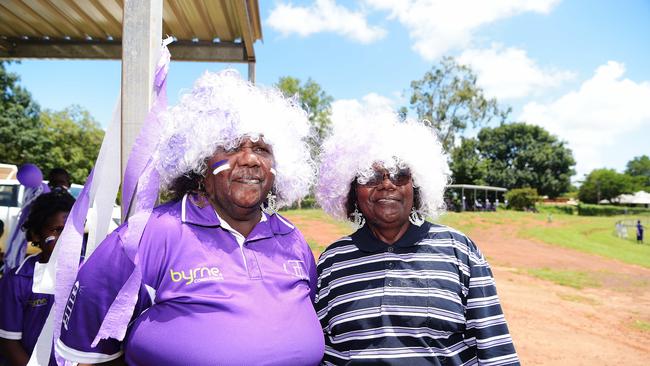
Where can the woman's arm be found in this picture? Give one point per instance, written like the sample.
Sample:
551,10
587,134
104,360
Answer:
486,328
13,293
96,287
14,352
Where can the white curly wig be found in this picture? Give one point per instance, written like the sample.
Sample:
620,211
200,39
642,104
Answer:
219,111
360,140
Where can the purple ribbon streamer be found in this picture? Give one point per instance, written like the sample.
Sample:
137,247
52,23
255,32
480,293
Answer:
140,187
117,318
146,141
69,252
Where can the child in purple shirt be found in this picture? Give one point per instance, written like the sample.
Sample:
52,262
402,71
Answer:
23,312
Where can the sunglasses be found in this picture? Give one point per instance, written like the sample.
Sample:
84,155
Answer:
402,177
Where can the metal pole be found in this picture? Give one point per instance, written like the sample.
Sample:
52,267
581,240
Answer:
251,71
141,37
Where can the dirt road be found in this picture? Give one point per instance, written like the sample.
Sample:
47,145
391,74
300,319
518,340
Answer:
558,325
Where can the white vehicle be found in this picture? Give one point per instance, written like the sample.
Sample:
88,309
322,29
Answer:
8,171
11,199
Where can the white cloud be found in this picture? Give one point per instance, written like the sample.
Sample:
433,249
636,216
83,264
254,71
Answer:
344,110
438,26
508,73
323,16
601,115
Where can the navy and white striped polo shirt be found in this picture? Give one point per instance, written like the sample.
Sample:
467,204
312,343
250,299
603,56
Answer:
429,298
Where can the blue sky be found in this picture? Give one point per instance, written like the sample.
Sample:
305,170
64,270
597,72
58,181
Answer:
579,68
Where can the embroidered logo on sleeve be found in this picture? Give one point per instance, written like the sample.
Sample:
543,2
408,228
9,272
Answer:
196,275
70,305
38,302
296,268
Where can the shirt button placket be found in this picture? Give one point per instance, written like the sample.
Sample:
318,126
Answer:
254,272
389,266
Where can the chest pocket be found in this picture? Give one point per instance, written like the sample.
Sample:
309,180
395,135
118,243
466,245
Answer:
431,300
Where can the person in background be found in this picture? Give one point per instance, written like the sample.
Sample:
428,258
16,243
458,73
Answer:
31,177
400,290
639,232
59,178
22,312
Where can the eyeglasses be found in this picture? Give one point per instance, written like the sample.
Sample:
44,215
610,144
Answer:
402,177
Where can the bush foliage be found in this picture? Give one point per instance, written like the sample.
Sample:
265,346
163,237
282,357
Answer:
558,209
522,198
609,210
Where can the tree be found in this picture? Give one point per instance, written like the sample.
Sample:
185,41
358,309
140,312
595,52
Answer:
515,155
20,127
68,139
449,98
75,141
604,184
640,167
466,163
314,100
522,199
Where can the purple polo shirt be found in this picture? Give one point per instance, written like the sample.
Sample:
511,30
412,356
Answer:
22,312
205,299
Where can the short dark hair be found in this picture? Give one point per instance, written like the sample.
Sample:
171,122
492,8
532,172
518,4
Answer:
44,207
56,174
189,182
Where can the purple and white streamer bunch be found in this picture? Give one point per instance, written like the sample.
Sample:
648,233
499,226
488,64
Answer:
140,186
360,140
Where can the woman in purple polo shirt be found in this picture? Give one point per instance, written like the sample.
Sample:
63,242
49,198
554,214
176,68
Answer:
23,312
225,279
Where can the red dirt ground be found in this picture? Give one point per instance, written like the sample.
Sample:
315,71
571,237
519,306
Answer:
553,324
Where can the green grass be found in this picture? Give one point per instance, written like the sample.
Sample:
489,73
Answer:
315,245
641,325
574,279
316,214
589,234
467,222
578,298
594,235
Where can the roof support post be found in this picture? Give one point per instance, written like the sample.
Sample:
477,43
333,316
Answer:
462,194
141,37
251,71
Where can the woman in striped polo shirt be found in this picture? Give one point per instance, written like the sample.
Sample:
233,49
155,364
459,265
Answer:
400,290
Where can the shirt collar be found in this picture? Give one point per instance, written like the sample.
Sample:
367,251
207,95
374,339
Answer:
198,211
195,213
26,267
366,241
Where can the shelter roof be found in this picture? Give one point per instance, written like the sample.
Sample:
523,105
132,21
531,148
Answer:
638,198
478,188
205,30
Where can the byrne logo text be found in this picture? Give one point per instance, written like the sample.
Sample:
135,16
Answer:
196,275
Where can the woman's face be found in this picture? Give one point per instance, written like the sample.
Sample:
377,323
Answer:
386,201
244,185
50,232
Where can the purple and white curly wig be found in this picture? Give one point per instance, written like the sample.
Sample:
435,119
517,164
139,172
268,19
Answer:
360,140
219,111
